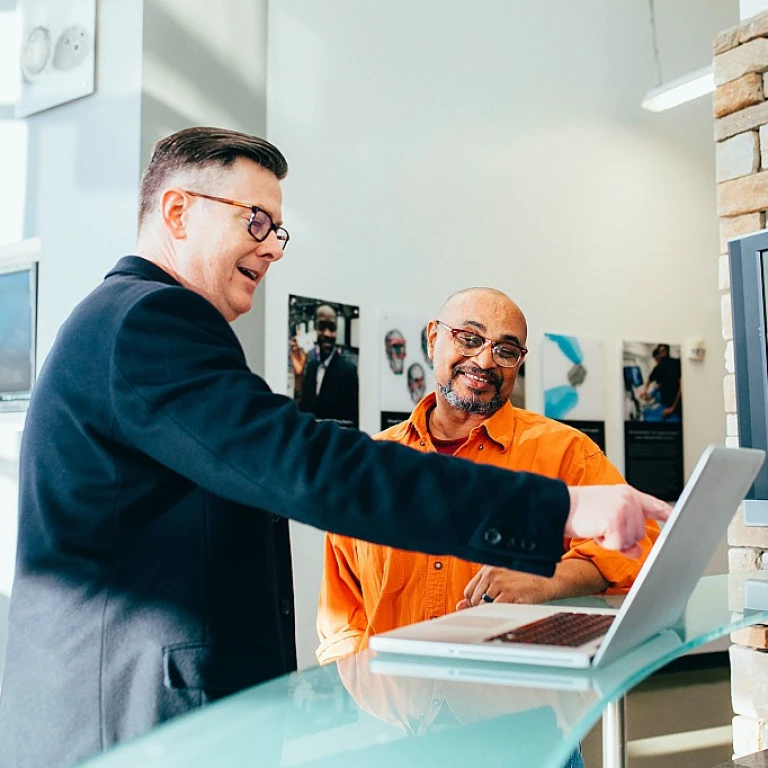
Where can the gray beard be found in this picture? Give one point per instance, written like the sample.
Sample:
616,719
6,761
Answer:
470,404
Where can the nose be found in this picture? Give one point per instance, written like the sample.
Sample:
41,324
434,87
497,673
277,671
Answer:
485,357
270,249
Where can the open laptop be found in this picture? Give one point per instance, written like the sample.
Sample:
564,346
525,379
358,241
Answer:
582,637
658,649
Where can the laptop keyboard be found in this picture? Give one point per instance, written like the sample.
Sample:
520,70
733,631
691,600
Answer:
566,629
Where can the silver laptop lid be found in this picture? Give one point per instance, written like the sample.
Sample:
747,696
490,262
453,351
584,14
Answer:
685,546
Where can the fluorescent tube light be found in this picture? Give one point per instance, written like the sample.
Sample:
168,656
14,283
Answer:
686,88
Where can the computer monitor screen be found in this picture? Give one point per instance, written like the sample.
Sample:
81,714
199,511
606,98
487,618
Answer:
18,317
749,298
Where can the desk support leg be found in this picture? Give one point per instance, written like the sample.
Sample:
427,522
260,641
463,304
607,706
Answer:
615,734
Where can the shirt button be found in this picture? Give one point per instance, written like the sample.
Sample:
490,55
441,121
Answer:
422,443
285,606
438,565
479,447
492,536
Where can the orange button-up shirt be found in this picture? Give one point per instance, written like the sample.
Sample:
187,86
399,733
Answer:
368,588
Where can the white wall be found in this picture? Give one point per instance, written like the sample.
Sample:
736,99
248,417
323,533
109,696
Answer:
207,68
432,148
748,8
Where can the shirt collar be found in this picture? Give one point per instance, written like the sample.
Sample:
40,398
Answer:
141,267
500,427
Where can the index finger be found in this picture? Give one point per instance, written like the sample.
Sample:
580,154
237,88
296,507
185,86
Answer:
654,508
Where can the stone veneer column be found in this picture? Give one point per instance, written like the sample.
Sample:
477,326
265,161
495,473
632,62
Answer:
741,133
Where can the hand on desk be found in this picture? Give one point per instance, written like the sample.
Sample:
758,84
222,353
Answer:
505,586
573,578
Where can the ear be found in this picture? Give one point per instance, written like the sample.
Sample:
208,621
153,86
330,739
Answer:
431,338
174,207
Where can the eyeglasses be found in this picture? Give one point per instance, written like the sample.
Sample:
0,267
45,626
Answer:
259,225
504,353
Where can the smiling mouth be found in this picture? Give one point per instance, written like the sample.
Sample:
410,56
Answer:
479,379
249,273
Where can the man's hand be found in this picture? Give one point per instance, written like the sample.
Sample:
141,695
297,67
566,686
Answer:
506,586
613,515
298,357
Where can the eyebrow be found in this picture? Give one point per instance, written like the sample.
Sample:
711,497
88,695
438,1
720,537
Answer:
504,337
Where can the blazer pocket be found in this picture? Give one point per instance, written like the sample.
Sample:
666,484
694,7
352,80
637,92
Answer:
213,668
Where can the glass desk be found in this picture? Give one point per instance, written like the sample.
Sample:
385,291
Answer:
382,710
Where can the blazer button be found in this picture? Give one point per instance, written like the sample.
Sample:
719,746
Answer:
492,536
285,607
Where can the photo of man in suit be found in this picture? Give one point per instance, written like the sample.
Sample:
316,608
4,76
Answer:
325,381
158,474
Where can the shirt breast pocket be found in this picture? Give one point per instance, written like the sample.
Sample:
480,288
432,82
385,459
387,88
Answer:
381,568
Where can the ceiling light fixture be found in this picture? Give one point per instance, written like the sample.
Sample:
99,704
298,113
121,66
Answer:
685,88
678,91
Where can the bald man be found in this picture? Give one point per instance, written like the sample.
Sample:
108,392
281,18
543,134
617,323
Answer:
477,345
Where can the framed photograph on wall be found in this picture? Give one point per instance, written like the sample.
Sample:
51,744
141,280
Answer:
323,352
57,61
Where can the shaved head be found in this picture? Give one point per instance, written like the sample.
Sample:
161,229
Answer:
468,300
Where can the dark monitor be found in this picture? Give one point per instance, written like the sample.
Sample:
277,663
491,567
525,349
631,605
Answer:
749,298
18,322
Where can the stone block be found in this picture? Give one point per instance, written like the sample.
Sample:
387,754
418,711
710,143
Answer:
753,637
736,591
749,682
727,39
730,366
749,736
738,94
744,559
733,64
731,425
737,156
757,26
737,226
748,119
723,273
740,535
729,393
748,194
726,317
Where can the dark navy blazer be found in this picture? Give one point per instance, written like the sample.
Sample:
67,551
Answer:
157,473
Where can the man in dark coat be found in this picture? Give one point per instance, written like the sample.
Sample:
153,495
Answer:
157,473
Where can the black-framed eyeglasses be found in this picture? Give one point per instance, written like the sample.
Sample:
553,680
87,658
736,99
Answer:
507,354
260,223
